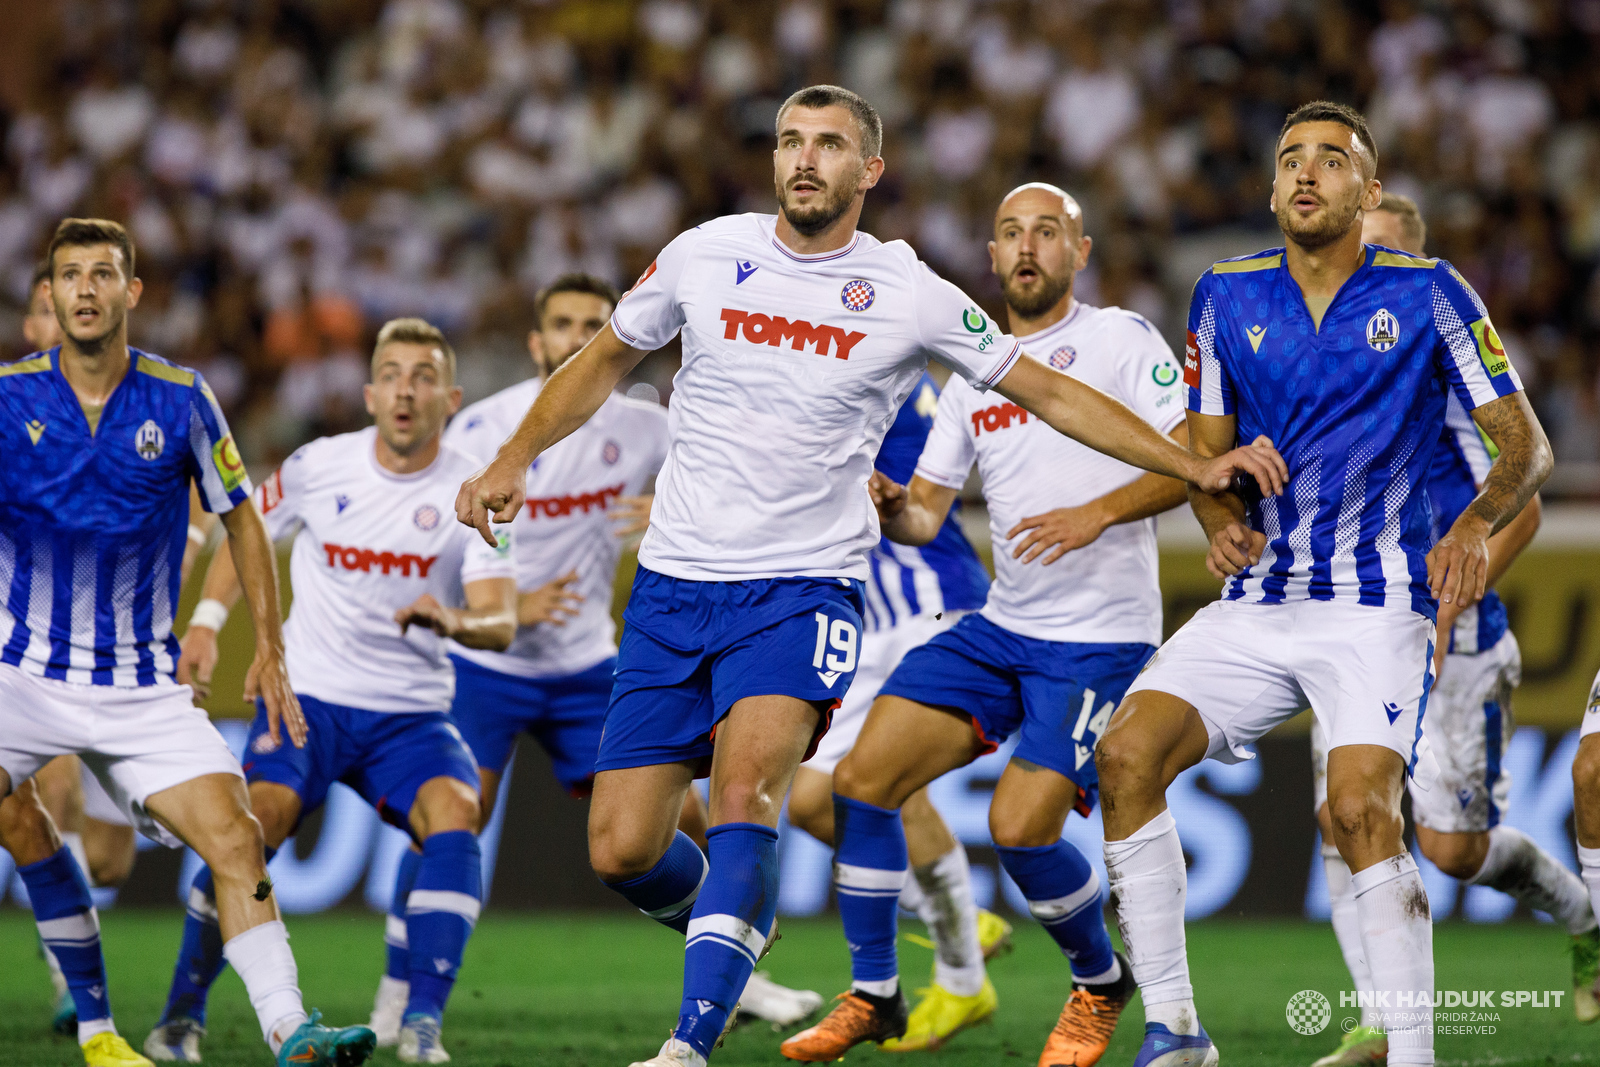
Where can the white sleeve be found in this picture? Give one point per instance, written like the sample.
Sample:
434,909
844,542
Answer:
281,496
957,333
650,314
480,562
1152,376
948,454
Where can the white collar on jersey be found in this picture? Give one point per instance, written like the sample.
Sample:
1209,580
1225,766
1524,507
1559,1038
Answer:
814,257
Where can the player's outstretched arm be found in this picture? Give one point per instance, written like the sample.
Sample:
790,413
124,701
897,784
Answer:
1105,424
910,515
574,393
249,550
1233,545
1458,566
1055,533
489,621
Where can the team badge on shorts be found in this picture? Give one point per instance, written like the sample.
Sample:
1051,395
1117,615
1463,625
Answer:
856,295
1062,357
426,517
611,452
264,744
149,441
1383,330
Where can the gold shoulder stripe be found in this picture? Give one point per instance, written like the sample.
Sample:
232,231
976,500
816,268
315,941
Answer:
36,365
1395,259
1245,266
176,375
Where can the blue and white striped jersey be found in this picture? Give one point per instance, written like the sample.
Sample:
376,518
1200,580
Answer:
1459,467
943,575
1356,408
93,525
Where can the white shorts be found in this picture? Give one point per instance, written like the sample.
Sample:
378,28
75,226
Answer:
97,803
1468,725
1247,667
1591,711
136,742
881,653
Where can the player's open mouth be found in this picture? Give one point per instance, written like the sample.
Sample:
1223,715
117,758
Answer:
805,187
86,315
1306,200
1025,274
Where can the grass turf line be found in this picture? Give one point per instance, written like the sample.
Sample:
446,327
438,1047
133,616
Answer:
602,991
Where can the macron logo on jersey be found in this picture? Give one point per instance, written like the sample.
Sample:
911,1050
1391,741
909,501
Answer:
773,330
556,507
997,418
364,559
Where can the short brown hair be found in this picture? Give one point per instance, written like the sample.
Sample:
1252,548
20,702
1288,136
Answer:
416,332
75,233
1405,209
576,282
1343,114
866,116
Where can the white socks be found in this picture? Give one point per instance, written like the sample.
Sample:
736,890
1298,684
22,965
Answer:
1589,863
1347,929
1397,934
1518,867
1149,884
262,959
944,902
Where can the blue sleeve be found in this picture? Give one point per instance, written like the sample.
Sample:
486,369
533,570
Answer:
218,471
1468,351
1207,383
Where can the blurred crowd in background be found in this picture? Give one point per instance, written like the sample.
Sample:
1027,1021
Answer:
295,172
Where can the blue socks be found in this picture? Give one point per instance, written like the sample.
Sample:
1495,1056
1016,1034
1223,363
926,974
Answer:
1063,893
200,958
70,929
396,943
667,891
869,871
732,920
440,914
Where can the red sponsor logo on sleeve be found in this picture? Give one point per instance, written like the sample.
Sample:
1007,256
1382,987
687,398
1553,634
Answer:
272,492
1191,360
651,269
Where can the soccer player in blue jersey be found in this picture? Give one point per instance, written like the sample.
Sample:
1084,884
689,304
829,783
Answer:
801,339
102,443
914,593
1460,820
1343,354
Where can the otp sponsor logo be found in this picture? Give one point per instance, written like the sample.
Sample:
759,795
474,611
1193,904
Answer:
1191,361
773,330
997,418
556,507
364,559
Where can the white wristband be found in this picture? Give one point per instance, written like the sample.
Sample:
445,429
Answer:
209,613
198,536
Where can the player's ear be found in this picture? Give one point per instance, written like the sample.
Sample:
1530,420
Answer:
1373,195
366,395
994,264
135,289
871,173
536,350
453,402
1085,243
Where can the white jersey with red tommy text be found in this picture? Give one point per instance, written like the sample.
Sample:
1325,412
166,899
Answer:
1103,592
371,542
794,367
563,526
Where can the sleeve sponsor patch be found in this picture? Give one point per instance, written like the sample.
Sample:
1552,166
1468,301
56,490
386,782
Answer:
1490,350
271,492
225,457
1191,360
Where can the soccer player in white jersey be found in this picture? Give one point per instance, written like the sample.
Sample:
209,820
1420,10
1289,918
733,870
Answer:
105,441
1343,354
1459,820
801,338
1074,613
381,580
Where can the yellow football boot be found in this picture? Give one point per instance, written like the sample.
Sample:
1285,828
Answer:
110,1050
941,1014
994,934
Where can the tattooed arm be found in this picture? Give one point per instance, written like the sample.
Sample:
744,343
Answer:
1458,566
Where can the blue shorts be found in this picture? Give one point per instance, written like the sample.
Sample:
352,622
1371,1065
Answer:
690,650
564,714
1060,693
385,756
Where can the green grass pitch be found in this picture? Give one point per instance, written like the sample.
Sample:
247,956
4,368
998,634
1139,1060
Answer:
602,991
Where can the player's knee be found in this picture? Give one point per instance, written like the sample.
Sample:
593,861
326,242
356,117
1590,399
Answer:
1124,759
1458,855
857,779
26,830
1356,816
450,808
1586,773
617,859
1012,831
235,845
